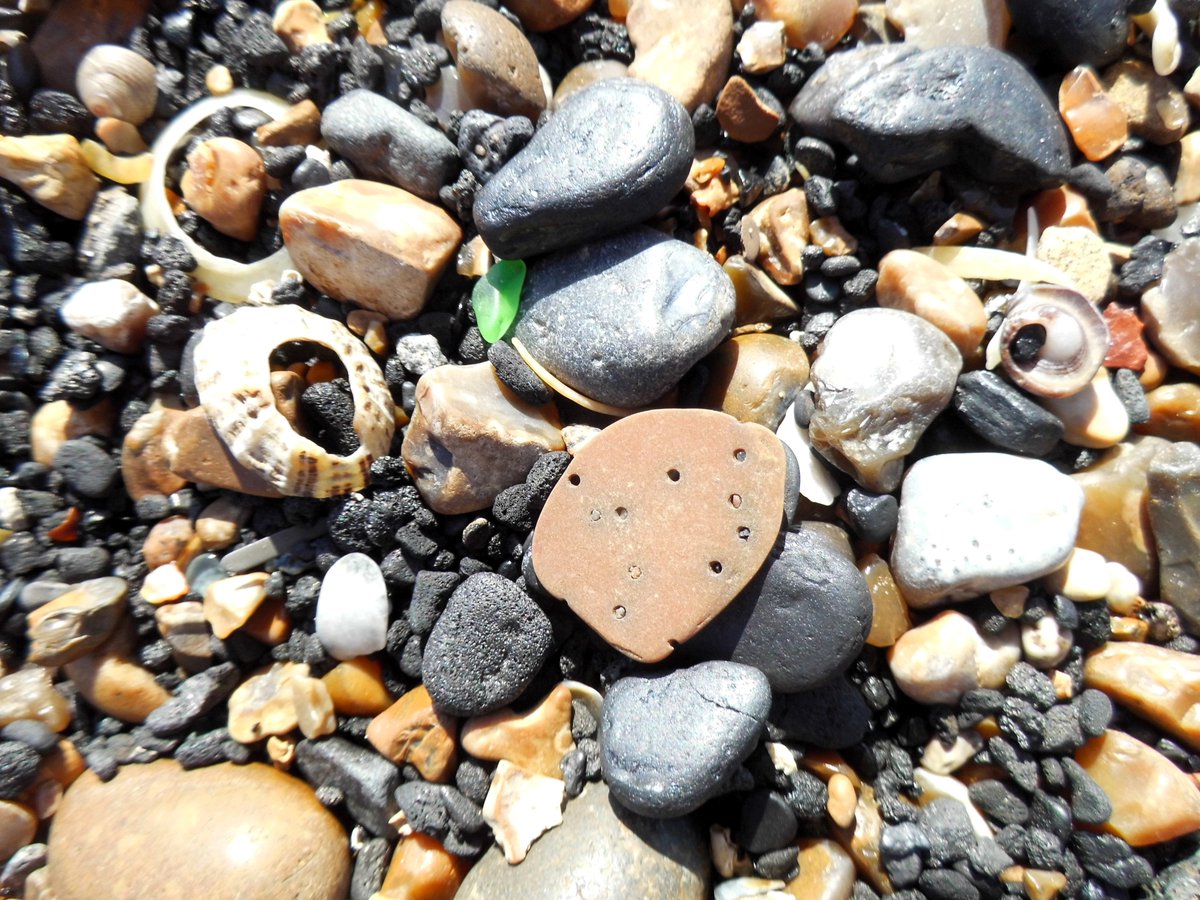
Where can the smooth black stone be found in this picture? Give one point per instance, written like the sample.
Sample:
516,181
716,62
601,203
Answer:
766,822
904,871
801,620
364,778
1050,813
88,470
386,142
872,516
672,740
486,647
1092,33
611,157
1003,416
832,716
905,112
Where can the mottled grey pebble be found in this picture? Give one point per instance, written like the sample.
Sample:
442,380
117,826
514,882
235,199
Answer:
88,470
364,778
370,865
1092,33
1003,416
194,698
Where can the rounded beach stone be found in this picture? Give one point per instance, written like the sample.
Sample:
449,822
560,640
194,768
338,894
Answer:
941,660
1092,33
683,46
611,157
113,313
974,522
623,319
487,646
496,64
159,831
658,523
352,608
627,855
755,377
1171,312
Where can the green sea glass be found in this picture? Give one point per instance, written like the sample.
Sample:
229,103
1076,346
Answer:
496,298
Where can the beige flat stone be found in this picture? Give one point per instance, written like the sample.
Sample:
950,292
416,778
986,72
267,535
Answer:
356,687
301,23
1156,108
220,523
412,731
60,421
52,170
164,584
195,452
222,831
823,22
1095,417
763,47
230,602
374,244
1081,254
755,378
520,807
682,46
1159,684
536,740
111,312
919,284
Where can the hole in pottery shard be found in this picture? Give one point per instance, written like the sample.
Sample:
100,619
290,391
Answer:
618,612
622,512
716,567
635,572
744,533
673,474
735,500
739,454
574,479
594,515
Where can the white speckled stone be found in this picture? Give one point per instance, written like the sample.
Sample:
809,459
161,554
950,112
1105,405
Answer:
974,522
352,608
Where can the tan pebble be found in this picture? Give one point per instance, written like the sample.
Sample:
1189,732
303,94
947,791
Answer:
1045,643
1064,687
744,114
356,687
862,841
944,23
759,299
941,660
166,541
1129,628
185,629
1097,123
28,694
1010,601
1060,206
164,584
763,47
412,731
1156,683
496,64
711,187
890,618
59,421
1170,317
422,869
830,235
18,825
344,239
1082,255
301,23
918,284
1156,108
144,465
1187,179
584,74
112,312
119,136
371,327
1174,412
230,602
775,234
943,760
826,872
486,437
755,378
842,800
1041,884
264,704
957,230
1095,417
684,47
52,170
1152,800
220,523
76,622
270,625
536,740
546,15
225,184
299,124
314,707
219,81
1084,576
281,751
245,831
520,807
114,685
823,22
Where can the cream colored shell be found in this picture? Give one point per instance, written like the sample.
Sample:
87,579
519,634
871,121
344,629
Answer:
114,81
233,379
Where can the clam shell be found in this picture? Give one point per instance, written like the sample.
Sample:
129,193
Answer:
1075,345
233,380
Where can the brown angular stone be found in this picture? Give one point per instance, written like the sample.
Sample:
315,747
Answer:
60,420
1152,799
222,831
230,602
374,244
301,23
471,437
826,872
270,624
775,234
1174,412
658,523
167,540
890,617
918,284
1098,125
759,299
536,740
184,627
422,869
300,124
1041,884
265,704
412,731
1174,483
73,27
496,64
356,687
194,452
682,46
520,807
17,827
144,466
225,184
823,22
744,115
755,378
546,15
1156,108
77,622
862,841
1126,348
1159,684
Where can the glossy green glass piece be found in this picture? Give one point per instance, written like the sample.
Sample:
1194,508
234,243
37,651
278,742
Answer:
496,298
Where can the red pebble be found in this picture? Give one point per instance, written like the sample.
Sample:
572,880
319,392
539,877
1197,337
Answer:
1126,348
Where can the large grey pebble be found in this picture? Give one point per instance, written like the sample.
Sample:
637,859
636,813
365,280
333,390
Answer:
611,157
1092,33
486,647
906,112
670,741
622,320
803,618
386,142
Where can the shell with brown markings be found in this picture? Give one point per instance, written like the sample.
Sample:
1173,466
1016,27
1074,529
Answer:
1052,341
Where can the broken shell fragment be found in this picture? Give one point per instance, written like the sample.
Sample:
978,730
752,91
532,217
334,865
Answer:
233,379
1052,341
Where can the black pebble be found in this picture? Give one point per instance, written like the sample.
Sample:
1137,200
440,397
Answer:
77,564
516,374
998,801
1003,416
947,884
1111,859
18,767
370,867
30,732
1089,804
88,470
766,822
872,516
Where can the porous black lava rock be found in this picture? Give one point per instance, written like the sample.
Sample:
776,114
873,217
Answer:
801,620
194,698
370,867
365,779
1110,859
906,112
88,470
670,741
1003,416
516,374
486,647
18,767
1092,33
611,157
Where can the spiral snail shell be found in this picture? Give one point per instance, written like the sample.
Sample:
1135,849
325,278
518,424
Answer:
1052,341
114,81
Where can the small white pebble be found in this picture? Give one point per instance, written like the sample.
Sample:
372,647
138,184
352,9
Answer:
1124,589
1045,643
1083,577
942,760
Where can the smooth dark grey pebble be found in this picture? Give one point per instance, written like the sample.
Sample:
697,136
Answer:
364,778
1003,416
88,470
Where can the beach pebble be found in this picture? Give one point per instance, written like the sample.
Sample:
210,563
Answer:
496,65
621,320
225,183
941,660
610,158
167,540
682,46
824,22
1045,642
1174,412
422,868
1154,105
974,522
1094,417
87,470
184,628
195,452
1005,416
301,23
539,15
746,114
230,602
520,807
534,741
28,694
763,47
263,832
1154,682
18,825
352,608
1083,256
1093,33
1170,313
488,644
412,731
1174,482
890,617
775,235
471,437
388,143
365,780
670,741
826,872
918,284
906,112
145,469
880,378
586,74
376,245
76,622
974,23
113,313
755,378
834,715
52,170
803,618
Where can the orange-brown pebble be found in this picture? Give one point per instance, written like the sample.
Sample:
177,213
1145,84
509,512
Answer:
759,299
775,234
1154,373
744,114
827,763
299,124
1174,412
826,872
536,740
68,529
18,825
862,841
164,584
957,230
300,23
1041,884
357,688
823,22
1156,683
422,869
412,731
682,46
1097,124
890,614
60,421
114,685
225,184
230,602
1152,799
755,377
830,235
270,624
546,15
1155,106
1126,347
167,540
916,283
119,136
144,466
1129,628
